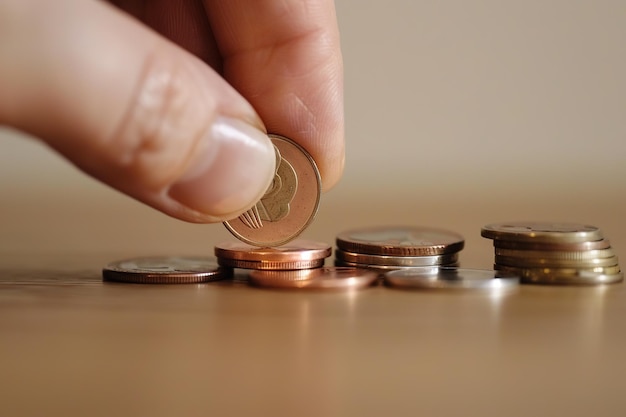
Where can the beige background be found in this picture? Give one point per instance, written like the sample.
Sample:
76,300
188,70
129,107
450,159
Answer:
448,104
459,113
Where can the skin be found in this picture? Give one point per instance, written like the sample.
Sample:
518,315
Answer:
169,101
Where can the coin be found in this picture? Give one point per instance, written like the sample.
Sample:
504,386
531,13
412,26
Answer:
165,270
385,268
451,279
290,203
400,241
373,260
298,254
567,276
544,232
564,246
326,278
562,255
555,263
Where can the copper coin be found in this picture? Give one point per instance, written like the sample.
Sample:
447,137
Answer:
544,232
299,254
451,279
554,263
327,278
271,265
565,276
289,205
400,241
388,260
165,270
574,246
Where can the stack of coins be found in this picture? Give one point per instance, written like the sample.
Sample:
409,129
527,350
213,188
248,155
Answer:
554,253
296,265
398,247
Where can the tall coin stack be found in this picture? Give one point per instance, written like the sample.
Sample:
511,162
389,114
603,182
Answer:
398,247
554,253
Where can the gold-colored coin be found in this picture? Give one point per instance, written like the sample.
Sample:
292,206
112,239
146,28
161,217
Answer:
554,263
544,232
290,203
567,276
549,247
559,255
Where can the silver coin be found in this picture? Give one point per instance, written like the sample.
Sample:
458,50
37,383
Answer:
386,268
388,260
165,270
451,279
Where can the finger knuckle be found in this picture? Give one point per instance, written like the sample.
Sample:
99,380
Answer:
162,124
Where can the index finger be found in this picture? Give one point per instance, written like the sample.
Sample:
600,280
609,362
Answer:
284,57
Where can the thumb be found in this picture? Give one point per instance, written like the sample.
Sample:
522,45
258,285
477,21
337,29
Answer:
131,109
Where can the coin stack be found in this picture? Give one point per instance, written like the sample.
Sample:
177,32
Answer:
296,265
554,253
398,247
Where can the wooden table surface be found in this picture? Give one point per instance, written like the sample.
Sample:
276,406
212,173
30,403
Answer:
72,345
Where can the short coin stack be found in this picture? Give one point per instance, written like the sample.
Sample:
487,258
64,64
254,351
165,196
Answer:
398,247
554,253
296,265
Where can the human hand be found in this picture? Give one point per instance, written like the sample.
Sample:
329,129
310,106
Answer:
184,134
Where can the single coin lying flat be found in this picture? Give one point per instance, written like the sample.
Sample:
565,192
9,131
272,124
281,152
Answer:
165,270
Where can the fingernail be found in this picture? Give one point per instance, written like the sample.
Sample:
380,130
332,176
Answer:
232,170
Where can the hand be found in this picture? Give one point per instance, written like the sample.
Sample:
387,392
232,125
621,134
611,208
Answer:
177,123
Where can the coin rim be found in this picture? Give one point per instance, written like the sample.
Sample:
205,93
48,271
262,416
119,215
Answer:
554,263
388,260
272,265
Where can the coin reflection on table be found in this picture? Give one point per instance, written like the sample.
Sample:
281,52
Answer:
325,278
288,206
165,270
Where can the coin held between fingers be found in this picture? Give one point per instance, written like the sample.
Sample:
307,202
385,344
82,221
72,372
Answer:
290,203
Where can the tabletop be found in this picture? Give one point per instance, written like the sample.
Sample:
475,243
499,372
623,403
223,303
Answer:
74,345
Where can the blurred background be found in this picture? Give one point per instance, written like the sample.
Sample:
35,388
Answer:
458,113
